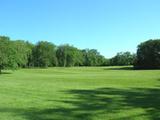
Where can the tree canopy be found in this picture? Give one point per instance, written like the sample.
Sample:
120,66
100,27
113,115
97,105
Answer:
123,58
148,54
20,53
68,56
8,54
44,54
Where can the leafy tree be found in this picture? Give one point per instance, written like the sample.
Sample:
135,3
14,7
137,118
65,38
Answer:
148,54
23,52
44,54
8,54
101,60
68,56
92,57
123,58
78,57
107,62
30,62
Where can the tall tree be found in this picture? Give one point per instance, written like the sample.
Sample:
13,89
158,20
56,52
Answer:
123,58
8,54
148,54
91,57
30,62
44,54
23,52
69,56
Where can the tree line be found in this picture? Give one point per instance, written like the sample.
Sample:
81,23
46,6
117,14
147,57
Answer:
20,53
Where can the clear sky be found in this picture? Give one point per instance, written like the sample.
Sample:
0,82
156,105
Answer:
110,26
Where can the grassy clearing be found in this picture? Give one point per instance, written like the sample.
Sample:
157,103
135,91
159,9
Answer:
86,93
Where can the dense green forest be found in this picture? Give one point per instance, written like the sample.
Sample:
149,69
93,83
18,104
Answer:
20,53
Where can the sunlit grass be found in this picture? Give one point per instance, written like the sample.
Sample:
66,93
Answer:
80,93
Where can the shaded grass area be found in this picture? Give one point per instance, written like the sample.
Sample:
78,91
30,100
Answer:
120,68
4,72
76,94
97,102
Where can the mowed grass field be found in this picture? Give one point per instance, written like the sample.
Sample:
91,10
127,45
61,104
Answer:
84,93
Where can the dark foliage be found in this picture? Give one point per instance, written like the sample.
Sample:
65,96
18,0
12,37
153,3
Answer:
123,58
148,55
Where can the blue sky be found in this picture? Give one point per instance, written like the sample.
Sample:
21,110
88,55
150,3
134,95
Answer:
110,26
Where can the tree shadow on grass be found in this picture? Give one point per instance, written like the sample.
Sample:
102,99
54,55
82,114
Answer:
120,68
109,100
5,73
87,104
128,68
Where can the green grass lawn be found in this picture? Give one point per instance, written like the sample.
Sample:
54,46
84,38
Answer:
95,93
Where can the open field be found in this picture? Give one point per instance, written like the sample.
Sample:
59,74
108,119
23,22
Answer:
95,93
